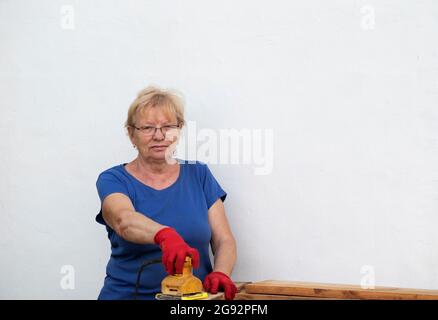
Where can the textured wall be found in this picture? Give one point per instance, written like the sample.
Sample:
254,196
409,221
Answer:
349,90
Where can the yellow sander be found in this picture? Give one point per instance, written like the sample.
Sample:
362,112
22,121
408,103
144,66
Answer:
184,286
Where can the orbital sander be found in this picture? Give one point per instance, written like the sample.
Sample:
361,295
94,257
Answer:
183,286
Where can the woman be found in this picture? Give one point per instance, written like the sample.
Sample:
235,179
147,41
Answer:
156,206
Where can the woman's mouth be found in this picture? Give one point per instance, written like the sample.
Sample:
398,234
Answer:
159,148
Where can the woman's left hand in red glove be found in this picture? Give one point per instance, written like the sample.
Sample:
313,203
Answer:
218,280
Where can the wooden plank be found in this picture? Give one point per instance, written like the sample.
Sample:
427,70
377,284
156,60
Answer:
243,295
324,290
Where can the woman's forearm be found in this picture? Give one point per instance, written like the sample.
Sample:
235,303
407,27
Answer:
225,254
135,227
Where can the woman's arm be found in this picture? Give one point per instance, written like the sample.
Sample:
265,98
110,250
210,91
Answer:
223,242
119,213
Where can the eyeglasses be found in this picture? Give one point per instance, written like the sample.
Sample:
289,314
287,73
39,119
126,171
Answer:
150,130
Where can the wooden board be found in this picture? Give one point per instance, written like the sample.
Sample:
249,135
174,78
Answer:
337,291
243,295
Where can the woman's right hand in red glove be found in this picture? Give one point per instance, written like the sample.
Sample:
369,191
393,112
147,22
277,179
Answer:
175,250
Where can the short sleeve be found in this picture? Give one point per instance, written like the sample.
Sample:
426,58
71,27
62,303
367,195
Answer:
212,189
106,184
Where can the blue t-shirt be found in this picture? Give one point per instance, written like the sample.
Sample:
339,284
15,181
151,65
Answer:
183,205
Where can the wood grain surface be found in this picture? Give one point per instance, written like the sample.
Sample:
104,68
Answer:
337,291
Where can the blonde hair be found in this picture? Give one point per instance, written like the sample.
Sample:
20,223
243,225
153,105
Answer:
153,96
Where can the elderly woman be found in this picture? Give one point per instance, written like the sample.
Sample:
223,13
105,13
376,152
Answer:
157,206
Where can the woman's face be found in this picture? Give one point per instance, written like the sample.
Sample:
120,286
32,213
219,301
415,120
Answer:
157,145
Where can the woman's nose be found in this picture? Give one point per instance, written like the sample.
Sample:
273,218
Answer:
158,135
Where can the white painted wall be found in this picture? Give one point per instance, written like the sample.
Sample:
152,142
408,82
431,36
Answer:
352,102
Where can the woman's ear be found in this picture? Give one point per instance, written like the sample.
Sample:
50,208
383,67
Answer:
131,134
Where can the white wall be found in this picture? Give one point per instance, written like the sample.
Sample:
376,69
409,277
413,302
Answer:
353,105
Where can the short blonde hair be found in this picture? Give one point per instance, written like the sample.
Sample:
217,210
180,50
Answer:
153,96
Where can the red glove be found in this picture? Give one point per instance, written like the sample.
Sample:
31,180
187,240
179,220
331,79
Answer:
175,250
216,280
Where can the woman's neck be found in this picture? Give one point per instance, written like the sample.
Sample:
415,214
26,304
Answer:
154,167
